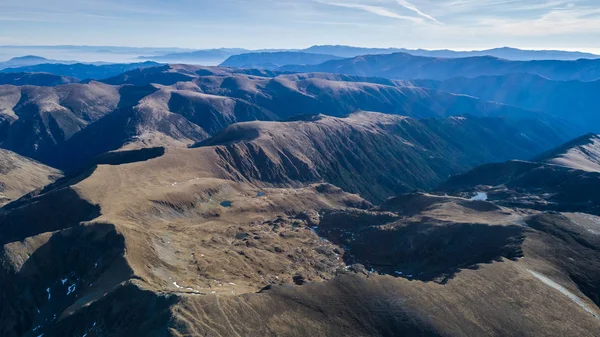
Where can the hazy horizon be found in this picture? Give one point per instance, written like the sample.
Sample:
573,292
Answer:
287,24
126,54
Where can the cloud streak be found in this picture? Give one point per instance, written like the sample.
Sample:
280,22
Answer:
377,10
414,8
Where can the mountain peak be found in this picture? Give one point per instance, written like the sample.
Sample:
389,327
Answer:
29,58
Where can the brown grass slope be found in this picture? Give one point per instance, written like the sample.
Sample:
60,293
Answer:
375,155
20,175
174,106
582,153
182,244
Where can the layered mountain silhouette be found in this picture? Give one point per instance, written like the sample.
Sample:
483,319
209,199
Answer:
29,60
216,201
80,71
215,56
575,100
503,53
405,66
66,126
275,60
38,79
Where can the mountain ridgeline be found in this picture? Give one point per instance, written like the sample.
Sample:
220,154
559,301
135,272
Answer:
298,193
402,66
66,126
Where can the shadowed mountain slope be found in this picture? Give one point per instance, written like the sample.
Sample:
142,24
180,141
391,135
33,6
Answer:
39,79
81,71
373,154
565,179
574,100
183,244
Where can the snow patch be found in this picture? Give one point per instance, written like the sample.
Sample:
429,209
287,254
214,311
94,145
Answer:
49,295
564,291
71,289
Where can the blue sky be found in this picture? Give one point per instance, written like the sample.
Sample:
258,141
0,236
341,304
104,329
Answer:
431,24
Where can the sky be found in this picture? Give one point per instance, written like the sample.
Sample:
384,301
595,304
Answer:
256,24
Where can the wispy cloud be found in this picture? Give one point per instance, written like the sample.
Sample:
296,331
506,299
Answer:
414,8
377,10
569,20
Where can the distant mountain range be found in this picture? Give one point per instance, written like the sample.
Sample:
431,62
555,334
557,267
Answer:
275,60
30,60
207,56
211,55
81,71
576,101
504,53
405,66
39,79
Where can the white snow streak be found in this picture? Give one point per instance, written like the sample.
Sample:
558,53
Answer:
564,291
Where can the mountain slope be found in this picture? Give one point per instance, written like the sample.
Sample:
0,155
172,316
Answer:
38,79
182,244
20,175
564,179
66,126
411,154
402,66
532,92
35,119
582,154
275,60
